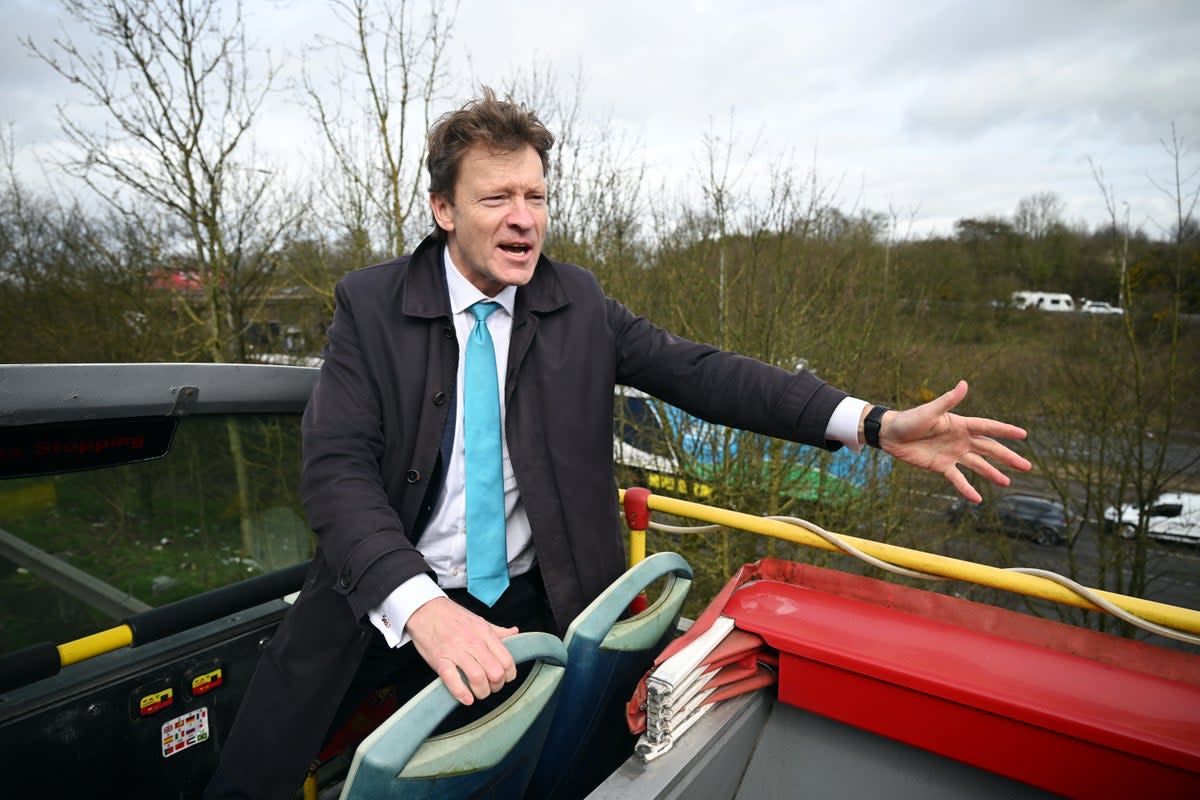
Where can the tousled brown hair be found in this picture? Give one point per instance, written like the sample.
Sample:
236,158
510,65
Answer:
504,126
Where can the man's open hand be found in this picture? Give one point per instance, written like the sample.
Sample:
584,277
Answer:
932,438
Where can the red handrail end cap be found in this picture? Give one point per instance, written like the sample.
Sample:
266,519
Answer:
637,512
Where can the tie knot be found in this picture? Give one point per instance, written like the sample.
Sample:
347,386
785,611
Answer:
483,309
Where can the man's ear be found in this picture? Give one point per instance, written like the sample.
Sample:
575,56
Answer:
442,211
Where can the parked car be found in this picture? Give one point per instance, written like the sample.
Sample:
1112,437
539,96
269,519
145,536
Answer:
1173,517
1039,518
1100,307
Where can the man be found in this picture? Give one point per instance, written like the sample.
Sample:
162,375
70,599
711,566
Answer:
387,443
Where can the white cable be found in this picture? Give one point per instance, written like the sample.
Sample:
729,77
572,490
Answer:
1111,608
837,542
660,526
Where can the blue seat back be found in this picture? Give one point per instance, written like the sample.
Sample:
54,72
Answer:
491,757
606,656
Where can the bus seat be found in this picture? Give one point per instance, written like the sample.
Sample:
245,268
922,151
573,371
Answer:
606,656
491,757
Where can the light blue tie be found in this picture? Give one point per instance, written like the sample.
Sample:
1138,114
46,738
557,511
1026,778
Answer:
487,545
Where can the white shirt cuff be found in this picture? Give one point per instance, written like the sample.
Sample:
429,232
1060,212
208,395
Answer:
843,425
391,616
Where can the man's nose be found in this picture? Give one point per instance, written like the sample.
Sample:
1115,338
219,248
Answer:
520,215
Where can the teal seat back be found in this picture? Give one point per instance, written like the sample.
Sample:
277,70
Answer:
606,656
492,757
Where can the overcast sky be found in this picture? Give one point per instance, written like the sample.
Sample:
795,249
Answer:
938,110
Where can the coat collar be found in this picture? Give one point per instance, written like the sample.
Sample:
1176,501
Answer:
425,293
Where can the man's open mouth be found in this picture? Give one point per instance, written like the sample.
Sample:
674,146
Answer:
518,249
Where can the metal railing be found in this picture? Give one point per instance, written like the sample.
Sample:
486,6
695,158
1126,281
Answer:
1161,618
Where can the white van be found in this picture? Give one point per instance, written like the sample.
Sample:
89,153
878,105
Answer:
1174,517
1043,301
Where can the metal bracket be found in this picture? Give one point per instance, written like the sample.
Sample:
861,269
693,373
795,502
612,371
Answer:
186,398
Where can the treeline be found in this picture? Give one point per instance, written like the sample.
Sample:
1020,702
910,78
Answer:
77,284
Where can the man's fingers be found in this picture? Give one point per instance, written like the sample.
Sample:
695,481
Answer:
990,448
448,671
982,467
993,429
475,678
951,398
507,668
964,487
493,668
481,672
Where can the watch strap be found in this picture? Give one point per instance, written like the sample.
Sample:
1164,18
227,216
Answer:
872,424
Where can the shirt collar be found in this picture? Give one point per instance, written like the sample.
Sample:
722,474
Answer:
463,294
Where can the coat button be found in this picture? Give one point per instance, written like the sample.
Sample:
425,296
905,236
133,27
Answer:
344,580
447,333
412,476
439,399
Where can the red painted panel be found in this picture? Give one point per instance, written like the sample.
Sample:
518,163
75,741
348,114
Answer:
1051,718
1025,752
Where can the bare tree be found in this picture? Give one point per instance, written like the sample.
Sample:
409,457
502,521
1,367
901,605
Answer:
1118,229
174,81
60,261
595,184
1115,400
1183,197
389,73
1037,218
799,292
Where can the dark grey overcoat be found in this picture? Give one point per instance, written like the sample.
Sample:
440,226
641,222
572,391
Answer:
374,424
372,433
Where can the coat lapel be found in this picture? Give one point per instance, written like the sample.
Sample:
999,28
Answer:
426,296
543,294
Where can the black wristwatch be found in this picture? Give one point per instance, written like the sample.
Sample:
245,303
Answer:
872,424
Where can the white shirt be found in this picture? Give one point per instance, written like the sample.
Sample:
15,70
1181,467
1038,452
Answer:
444,542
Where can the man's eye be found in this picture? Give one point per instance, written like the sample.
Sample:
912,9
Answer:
537,199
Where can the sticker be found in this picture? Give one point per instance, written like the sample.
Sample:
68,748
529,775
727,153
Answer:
155,702
184,732
202,684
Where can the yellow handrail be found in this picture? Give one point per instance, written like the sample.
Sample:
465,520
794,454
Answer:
1181,619
96,644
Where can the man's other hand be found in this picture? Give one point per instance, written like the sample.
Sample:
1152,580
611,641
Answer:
451,639
932,438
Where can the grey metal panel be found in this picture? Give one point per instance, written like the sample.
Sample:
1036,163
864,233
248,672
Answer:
753,748
705,764
38,393
802,754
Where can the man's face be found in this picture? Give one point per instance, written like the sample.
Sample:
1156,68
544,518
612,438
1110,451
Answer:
497,223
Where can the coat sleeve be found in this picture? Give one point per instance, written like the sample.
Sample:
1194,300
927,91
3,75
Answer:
360,534
722,387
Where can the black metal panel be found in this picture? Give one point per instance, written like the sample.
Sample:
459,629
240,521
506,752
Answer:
81,733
